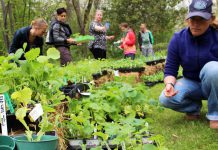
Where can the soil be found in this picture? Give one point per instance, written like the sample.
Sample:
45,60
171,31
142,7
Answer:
103,79
150,70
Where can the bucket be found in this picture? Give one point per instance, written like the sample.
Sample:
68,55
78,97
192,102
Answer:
47,142
6,141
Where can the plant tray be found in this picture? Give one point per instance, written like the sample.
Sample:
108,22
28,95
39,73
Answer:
154,62
126,70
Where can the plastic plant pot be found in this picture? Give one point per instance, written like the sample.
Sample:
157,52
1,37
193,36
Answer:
47,142
6,141
4,147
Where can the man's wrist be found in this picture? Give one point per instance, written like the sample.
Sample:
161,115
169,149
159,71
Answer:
170,84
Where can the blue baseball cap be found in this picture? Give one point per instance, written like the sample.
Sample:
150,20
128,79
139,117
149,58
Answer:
202,8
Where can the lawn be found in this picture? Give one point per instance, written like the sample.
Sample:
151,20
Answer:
181,134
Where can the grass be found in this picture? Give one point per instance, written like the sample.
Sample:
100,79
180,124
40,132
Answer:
181,134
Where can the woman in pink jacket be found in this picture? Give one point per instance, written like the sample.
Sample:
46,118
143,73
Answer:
128,41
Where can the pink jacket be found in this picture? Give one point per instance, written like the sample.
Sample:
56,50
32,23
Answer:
128,43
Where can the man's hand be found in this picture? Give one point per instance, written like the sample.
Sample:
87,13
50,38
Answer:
170,91
71,41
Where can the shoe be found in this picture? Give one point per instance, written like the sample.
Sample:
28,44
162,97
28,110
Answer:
214,124
189,117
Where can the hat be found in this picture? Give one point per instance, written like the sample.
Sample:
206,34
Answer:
202,8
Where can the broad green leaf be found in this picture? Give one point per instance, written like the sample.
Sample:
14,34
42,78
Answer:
42,59
3,88
21,113
18,54
53,53
22,96
32,54
149,147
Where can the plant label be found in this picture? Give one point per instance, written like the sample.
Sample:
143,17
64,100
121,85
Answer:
3,116
36,112
116,73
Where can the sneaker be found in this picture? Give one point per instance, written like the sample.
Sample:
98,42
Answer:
214,124
190,117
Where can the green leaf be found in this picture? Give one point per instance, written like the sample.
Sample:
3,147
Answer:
32,54
149,147
48,109
18,54
22,96
102,135
42,59
24,46
53,53
3,88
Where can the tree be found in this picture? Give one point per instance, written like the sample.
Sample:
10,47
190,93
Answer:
160,15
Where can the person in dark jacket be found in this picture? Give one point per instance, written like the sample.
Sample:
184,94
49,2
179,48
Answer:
195,49
32,35
61,36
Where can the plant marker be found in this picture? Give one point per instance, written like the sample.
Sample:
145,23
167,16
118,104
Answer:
8,101
3,115
95,130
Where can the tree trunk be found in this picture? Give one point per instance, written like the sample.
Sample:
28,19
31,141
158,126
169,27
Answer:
5,25
69,10
77,9
87,12
24,12
11,17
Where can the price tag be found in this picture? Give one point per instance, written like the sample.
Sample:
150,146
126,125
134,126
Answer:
116,73
36,112
3,116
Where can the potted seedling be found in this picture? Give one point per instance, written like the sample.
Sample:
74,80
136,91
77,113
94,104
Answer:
30,141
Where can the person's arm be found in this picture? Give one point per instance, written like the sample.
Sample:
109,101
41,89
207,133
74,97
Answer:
131,39
15,42
171,68
140,41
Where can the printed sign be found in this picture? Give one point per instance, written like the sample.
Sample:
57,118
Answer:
3,116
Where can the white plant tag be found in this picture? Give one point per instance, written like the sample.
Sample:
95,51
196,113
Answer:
116,73
3,116
36,112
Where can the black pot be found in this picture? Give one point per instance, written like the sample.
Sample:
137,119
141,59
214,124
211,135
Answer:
154,62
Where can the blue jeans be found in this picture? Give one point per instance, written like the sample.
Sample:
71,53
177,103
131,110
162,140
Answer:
191,93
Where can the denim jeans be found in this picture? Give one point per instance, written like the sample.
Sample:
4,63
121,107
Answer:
191,93
147,51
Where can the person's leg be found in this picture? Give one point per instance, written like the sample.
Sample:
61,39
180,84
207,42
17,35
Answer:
132,56
65,55
144,52
187,100
150,52
209,81
94,52
102,54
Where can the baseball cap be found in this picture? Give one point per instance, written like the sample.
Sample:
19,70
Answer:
202,8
